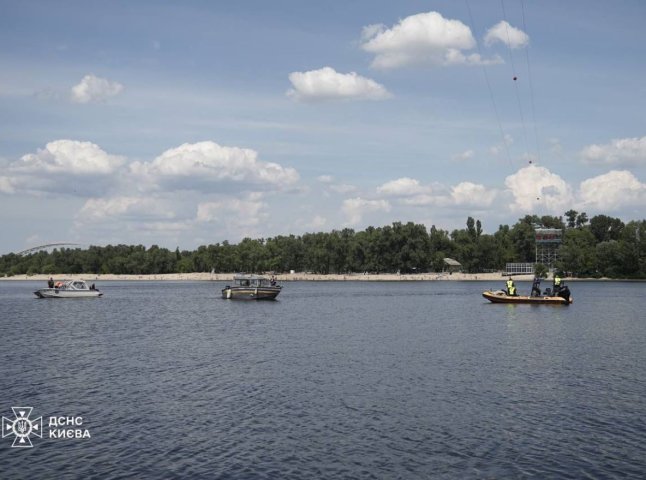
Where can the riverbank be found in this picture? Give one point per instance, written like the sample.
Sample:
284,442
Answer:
288,277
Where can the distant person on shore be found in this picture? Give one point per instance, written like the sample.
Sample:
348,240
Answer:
50,283
511,288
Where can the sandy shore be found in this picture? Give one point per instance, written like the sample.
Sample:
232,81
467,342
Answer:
307,277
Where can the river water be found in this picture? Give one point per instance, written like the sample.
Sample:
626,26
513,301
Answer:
333,380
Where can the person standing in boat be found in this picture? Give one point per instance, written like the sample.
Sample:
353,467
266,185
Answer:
536,287
50,283
557,284
511,288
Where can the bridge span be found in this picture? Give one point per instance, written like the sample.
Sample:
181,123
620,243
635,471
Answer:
49,246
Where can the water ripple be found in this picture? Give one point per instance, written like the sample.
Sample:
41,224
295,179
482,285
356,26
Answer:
335,380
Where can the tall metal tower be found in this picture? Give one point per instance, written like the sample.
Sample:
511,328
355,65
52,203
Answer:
548,241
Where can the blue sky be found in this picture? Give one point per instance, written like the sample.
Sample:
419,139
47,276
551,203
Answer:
186,123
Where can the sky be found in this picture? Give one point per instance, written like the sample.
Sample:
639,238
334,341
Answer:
189,123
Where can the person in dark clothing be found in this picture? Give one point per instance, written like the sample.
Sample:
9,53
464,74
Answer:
50,283
536,287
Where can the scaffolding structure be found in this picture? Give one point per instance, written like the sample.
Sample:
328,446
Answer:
518,269
548,241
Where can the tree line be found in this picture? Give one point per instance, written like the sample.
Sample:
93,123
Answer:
599,246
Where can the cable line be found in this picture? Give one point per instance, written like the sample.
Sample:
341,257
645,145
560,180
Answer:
513,68
531,86
486,75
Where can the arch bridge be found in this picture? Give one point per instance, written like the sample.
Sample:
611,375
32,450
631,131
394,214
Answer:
49,246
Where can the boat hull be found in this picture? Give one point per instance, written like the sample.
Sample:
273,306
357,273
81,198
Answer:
60,293
502,297
250,293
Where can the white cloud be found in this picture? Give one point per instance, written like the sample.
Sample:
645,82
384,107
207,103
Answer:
355,208
504,33
421,200
611,191
6,185
401,187
343,188
506,141
411,193
64,166
555,146
166,228
70,157
373,30
471,194
317,222
531,189
234,213
95,89
466,155
422,39
536,187
203,165
328,84
124,208
623,151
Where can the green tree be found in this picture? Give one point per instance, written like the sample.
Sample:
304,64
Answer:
540,270
571,215
524,239
605,228
633,249
577,252
581,219
504,246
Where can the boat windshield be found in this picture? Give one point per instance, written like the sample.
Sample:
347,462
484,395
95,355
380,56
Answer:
250,281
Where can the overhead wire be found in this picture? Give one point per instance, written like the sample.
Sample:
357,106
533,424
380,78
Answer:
531,86
491,95
515,76
539,193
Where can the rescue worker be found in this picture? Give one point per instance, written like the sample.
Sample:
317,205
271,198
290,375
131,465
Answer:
511,288
536,287
557,283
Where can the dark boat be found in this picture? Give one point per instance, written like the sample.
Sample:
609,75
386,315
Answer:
251,287
500,296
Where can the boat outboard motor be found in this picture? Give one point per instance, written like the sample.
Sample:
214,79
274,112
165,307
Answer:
548,292
564,292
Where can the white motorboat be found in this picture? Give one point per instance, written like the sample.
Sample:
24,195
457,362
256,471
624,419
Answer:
69,289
